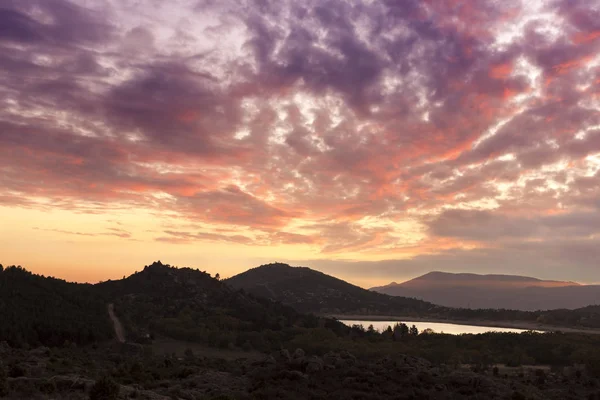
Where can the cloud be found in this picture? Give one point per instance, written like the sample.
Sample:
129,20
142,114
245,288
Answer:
546,260
121,233
487,226
330,124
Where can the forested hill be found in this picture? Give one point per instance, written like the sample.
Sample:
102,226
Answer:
189,304
308,290
40,310
179,303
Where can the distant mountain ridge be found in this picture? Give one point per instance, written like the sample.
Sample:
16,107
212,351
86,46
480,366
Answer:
308,290
467,290
498,280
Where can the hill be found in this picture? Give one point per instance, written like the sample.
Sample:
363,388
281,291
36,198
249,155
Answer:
38,310
188,304
308,290
329,359
311,291
159,301
437,278
495,291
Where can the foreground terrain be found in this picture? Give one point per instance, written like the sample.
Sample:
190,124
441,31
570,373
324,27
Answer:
127,372
190,336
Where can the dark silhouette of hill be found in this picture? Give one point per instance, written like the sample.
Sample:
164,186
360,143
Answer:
303,356
311,291
437,278
189,304
38,310
178,303
259,309
495,291
308,290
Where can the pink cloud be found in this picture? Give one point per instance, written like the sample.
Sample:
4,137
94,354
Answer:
329,115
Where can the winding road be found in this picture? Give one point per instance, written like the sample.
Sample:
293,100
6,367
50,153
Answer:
119,331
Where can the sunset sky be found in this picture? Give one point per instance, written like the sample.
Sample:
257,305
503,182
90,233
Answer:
373,140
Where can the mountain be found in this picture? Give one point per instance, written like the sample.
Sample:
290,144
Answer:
188,304
441,279
38,310
495,291
308,290
177,303
303,356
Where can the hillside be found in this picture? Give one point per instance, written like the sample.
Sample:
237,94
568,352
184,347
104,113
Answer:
308,290
495,291
189,304
266,349
178,303
38,310
437,278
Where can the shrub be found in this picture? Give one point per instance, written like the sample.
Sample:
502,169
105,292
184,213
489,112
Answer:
105,389
16,371
3,382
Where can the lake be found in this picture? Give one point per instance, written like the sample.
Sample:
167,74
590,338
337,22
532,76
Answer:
453,329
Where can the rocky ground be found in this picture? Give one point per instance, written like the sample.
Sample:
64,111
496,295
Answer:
122,372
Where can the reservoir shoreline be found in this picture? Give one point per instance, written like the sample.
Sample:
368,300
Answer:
492,324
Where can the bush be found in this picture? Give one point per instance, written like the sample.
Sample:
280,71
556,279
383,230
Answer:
16,371
3,382
105,389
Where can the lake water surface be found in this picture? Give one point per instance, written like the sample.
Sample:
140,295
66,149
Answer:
453,329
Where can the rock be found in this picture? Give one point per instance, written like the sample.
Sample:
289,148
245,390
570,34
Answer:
40,351
349,381
331,358
285,356
270,361
266,362
71,382
5,349
299,353
313,364
295,375
132,348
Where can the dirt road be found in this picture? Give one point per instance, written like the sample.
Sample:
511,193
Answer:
119,331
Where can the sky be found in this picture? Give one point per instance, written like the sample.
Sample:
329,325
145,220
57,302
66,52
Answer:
372,140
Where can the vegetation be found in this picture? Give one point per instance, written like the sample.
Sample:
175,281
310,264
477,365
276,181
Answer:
311,291
162,304
314,292
38,310
105,389
188,304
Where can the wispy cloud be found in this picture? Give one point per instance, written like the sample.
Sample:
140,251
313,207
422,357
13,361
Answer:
334,124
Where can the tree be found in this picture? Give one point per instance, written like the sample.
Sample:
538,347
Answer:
218,277
400,330
3,380
413,331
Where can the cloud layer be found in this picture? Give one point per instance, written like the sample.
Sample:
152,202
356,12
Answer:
366,130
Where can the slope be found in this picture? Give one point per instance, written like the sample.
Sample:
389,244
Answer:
308,290
495,291
37,310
